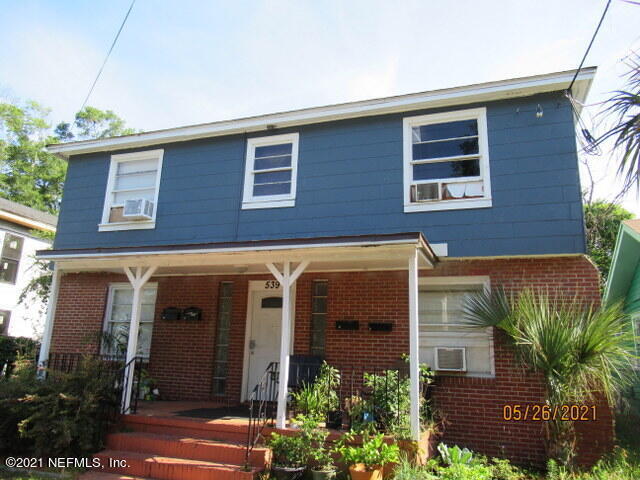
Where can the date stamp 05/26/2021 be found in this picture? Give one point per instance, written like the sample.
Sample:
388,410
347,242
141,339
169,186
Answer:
545,413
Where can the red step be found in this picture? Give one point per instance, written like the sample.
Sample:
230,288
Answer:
188,448
188,427
136,464
96,475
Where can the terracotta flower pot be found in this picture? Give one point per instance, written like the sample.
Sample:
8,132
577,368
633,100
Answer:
360,472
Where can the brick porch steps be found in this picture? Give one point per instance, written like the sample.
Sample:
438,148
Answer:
170,468
184,447
189,427
171,448
96,475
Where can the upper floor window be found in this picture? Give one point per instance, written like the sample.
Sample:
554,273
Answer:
446,161
132,191
10,260
270,171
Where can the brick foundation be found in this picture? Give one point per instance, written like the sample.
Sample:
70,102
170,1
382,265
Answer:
182,353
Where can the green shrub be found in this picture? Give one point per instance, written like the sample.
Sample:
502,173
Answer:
455,455
65,415
502,469
374,451
13,349
461,471
405,470
319,398
288,450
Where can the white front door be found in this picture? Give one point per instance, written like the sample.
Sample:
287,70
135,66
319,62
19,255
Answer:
264,338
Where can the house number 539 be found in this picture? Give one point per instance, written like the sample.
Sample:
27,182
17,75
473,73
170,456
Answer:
271,284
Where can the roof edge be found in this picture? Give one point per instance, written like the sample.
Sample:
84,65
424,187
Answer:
495,90
253,245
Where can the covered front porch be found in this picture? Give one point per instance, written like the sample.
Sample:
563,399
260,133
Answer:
255,306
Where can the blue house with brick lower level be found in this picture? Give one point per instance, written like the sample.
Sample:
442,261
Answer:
350,233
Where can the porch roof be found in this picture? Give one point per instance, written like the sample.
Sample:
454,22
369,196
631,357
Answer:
354,252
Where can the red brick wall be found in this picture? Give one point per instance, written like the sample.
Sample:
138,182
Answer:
182,354
473,407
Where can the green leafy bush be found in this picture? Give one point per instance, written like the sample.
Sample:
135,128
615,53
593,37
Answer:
461,471
373,453
14,349
319,398
405,470
65,415
288,450
455,455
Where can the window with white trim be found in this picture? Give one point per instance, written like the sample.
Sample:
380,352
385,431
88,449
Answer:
446,161
132,191
118,319
446,344
270,171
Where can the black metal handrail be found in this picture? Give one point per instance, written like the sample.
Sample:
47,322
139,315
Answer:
111,365
262,406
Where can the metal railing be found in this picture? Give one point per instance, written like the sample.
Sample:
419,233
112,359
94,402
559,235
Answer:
262,406
111,367
361,395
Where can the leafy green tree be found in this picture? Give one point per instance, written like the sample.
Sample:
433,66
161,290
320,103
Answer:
581,352
34,177
90,123
602,221
28,173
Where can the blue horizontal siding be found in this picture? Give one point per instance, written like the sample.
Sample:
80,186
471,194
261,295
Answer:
350,182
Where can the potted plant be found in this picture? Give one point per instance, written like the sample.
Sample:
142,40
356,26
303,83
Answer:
290,453
366,461
320,459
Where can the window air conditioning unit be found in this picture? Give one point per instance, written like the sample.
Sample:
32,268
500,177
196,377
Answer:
425,192
451,359
138,209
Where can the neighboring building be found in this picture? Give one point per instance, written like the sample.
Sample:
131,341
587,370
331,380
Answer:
19,246
623,284
351,232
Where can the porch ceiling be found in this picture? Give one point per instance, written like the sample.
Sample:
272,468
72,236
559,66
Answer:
366,252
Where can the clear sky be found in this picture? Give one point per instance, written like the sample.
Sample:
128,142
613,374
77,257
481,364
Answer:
181,62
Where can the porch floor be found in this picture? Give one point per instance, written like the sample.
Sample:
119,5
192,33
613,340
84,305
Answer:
180,410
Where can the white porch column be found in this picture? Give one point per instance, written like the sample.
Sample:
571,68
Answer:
414,347
287,279
138,281
45,347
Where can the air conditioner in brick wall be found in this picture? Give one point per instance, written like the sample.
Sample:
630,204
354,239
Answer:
451,359
138,209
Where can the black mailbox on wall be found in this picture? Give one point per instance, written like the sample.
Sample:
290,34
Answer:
171,313
192,313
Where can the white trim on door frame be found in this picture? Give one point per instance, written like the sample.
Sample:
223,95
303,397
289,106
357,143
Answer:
257,286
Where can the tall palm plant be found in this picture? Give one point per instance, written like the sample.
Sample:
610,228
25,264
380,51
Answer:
580,351
624,107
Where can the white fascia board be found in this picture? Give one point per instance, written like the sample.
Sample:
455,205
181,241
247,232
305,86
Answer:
52,256
513,88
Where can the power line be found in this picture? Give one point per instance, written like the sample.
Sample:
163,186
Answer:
113,44
590,44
